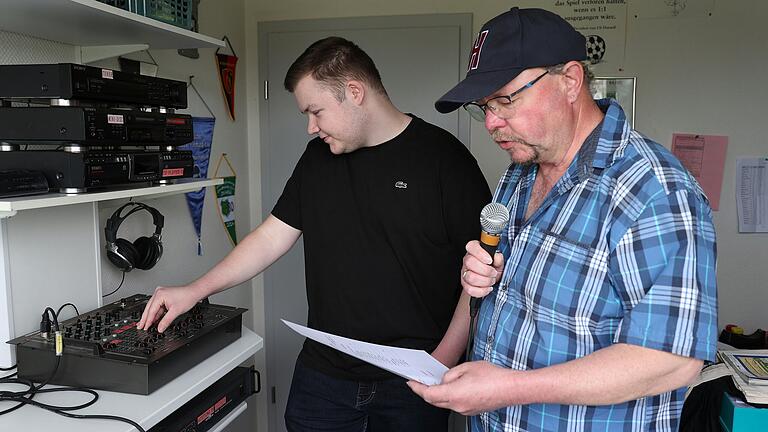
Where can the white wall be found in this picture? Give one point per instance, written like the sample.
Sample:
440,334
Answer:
701,75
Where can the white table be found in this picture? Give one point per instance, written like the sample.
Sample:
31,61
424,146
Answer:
145,410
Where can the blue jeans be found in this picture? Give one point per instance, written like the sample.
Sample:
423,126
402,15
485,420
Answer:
318,402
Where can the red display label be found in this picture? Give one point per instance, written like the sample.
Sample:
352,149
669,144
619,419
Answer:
115,119
220,403
175,121
173,172
205,416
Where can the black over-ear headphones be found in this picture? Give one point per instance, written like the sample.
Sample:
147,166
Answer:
144,252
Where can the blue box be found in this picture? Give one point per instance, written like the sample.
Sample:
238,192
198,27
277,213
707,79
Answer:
738,416
175,12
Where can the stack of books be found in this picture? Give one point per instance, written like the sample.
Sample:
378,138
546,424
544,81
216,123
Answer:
749,369
750,365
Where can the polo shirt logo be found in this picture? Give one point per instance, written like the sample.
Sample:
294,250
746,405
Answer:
401,185
474,56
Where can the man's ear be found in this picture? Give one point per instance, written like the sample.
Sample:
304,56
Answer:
573,72
355,91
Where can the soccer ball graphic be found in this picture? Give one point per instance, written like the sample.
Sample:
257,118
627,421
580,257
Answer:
595,48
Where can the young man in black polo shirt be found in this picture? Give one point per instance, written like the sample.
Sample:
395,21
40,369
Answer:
386,203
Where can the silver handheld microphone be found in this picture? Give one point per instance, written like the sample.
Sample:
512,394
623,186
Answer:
493,218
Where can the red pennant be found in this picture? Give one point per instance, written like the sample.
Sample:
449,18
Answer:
226,65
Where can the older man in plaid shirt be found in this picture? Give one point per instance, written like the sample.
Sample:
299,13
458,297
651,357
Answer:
601,304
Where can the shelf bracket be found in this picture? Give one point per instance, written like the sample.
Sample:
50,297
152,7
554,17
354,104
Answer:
90,54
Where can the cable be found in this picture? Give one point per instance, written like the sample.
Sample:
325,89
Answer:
65,305
118,287
2,369
25,397
470,346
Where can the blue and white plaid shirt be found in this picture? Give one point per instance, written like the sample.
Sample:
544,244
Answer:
622,250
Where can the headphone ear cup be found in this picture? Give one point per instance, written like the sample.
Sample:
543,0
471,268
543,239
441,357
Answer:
125,257
148,250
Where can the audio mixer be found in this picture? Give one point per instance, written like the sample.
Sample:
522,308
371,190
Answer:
103,349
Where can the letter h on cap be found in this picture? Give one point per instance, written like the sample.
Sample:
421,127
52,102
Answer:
474,56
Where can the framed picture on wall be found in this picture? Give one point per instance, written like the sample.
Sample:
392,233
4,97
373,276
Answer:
620,88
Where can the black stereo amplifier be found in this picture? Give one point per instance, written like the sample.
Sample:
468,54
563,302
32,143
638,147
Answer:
15,183
94,126
68,172
209,407
88,83
104,350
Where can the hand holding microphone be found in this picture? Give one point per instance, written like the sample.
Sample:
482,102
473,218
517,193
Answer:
493,218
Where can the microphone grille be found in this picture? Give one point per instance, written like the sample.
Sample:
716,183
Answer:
494,217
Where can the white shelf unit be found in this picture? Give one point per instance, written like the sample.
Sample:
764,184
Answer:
50,248
11,206
46,228
89,23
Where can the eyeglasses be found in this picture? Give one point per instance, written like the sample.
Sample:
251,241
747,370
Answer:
500,106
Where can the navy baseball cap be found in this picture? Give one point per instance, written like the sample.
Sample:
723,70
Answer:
510,43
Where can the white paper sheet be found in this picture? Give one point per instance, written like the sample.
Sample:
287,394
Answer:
411,364
752,194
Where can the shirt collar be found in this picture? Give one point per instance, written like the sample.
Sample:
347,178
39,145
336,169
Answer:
613,136
602,147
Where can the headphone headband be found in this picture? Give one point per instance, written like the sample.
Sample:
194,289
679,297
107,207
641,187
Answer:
114,221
